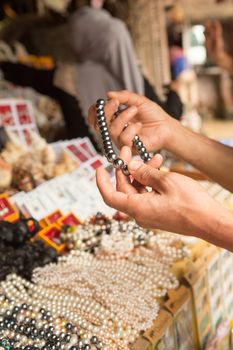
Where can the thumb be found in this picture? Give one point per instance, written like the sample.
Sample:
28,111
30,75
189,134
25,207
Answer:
146,175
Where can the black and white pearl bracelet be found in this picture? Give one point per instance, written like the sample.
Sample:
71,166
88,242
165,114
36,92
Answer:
109,152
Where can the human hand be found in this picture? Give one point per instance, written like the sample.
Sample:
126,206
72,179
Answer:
215,45
175,203
143,117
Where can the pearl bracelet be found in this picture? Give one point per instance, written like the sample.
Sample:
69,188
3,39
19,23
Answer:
109,152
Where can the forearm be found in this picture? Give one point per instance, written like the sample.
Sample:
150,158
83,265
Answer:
212,158
217,228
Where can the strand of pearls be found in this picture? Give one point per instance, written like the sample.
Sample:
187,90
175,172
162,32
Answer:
61,306
27,326
110,154
107,281
91,235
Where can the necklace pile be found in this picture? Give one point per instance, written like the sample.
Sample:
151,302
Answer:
109,152
101,285
80,303
26,323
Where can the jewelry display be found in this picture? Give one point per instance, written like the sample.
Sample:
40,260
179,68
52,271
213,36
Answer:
104,235
109,152
104,282
95,231
25,326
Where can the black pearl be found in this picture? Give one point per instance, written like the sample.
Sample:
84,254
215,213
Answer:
105,135
27,330
53,338
100,113
107,139
16,309
12,324
73,348
41,333
33,321
51,328
100,101
118,163
99,108
21,329
67,338
142,150
107,151
48,334
102,124
125,170
42,311
107,142
136,138
138,144
145,156
24,306
103,129
86,347
94,340
108,148
112,157
35,332
100,119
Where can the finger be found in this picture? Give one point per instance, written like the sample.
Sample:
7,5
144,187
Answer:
127,98
156,161
127,135
121,216
92,117
147,176
112,198
138,187
110,108
117,126
123,182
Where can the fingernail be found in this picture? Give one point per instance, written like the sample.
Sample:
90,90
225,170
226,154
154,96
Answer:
134,164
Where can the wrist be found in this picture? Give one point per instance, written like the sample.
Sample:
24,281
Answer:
174,133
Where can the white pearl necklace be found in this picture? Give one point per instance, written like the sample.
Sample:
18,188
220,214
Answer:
108,281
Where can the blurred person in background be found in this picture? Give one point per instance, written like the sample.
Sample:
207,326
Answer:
183,76
106,56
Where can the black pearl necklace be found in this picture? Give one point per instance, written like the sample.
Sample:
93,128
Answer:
109,152
21,332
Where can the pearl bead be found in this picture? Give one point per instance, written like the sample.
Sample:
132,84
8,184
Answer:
118,163
112,157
